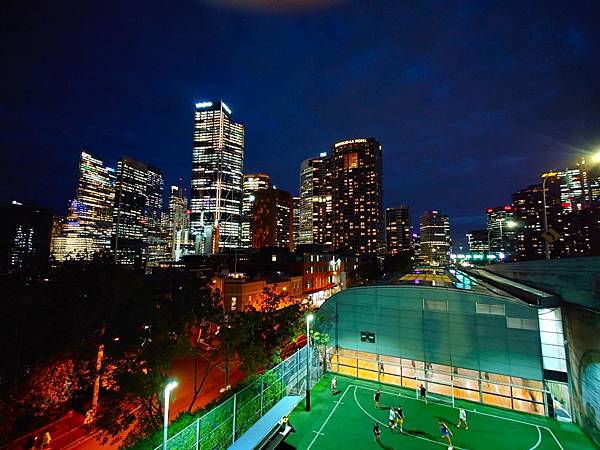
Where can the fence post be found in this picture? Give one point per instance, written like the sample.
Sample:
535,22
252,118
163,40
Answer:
262,394
234,417
197,433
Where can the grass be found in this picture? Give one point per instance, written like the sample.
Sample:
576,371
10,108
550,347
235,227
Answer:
345,421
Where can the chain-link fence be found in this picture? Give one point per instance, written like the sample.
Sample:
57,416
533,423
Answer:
221,426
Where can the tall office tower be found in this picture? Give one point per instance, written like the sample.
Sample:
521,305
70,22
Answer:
135,204
217,163
296,217
316,221
157,242
56,233
24,237
435,239
582,232
477,241
357,197
272,224
502,229
88,228
180,242
252,183
529,213
398,230
572,188
590,178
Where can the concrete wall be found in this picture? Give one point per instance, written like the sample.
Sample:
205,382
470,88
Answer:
575,280
583,342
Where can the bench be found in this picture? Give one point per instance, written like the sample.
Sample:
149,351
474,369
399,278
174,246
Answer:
269,431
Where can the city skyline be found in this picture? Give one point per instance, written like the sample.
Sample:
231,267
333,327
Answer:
437,129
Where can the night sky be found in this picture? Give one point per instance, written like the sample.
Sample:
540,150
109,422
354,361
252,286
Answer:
470,100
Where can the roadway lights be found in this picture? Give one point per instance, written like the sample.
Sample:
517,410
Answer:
309,318
168,388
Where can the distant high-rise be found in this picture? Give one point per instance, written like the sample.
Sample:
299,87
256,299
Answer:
272,224
501,226
24,237
296,216
217,164
315,221
137,214
435,240
89,224
252,183
398,230
529,213
478,241
357,197
157,240
179,224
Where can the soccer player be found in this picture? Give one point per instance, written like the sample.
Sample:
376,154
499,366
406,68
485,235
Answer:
376,397
422,393
392,419
376,431
446,433
333,385
462,418
400,418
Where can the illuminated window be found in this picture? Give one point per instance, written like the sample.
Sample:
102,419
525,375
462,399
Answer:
233,302
351,161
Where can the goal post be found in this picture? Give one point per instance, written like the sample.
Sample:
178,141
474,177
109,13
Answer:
436,391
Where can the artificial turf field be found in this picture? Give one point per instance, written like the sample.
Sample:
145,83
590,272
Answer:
345,421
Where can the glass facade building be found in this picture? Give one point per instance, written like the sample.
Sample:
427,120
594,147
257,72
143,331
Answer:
398,230
435,242
217,164
357,197
137,214
272,223
315,221
252,183
89,225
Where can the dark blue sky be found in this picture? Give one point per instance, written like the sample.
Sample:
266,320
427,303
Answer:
471,100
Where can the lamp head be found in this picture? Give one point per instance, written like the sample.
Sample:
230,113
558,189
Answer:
170,386
310,317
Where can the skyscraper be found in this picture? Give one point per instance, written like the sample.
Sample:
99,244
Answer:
24,237
477,241
435,243
398,230
296,216
501,227
180,242
137,214
89,224
272,224
315,221
217,164
529,212
252,183
357,197
157,242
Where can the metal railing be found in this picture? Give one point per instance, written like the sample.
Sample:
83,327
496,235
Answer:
224,424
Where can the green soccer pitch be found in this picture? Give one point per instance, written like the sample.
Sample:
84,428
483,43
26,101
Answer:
345,421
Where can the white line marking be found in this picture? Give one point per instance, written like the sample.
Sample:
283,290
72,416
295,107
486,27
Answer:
477,412
550,431
322,434
406,434
539,439
327,420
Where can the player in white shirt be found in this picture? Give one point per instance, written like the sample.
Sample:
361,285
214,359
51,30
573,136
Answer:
462,418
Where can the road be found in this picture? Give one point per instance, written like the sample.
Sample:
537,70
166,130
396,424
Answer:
67,433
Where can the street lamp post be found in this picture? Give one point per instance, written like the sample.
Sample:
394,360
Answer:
168,388
545,176
309,317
